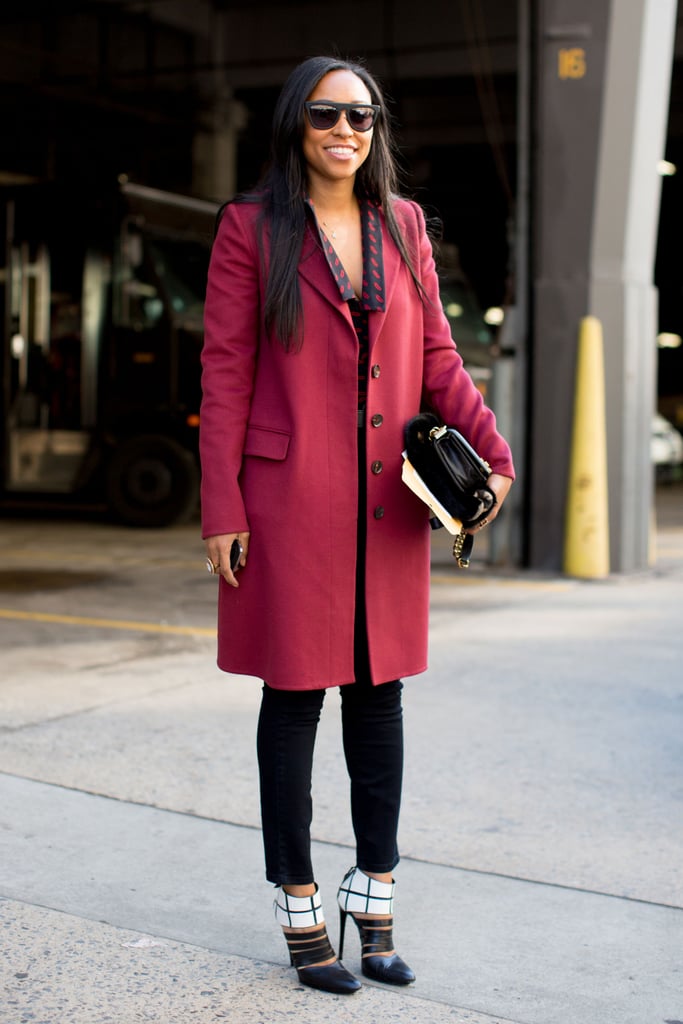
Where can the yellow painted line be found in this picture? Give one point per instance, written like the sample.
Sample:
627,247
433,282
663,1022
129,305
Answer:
26,559
493,581
82,620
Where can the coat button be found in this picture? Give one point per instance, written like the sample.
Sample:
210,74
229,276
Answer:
377,467
376,371
379,512
377,420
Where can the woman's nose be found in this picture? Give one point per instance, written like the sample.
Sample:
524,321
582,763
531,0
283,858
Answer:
342,126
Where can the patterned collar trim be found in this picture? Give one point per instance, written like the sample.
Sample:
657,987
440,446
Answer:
373,260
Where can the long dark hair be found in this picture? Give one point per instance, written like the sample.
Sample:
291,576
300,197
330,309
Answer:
282,187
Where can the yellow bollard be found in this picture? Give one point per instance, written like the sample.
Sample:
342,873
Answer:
586,542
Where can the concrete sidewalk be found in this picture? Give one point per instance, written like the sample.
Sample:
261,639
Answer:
542,874
183,942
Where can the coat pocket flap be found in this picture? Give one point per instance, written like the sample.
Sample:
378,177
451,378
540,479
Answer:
266,443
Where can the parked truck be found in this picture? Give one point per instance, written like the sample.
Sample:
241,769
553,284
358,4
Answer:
102,297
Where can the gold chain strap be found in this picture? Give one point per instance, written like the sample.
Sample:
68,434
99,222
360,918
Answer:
462,563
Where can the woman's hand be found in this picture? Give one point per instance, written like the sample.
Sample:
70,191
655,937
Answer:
500,485
218,551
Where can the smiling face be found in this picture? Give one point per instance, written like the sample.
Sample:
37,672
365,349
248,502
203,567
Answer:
335,154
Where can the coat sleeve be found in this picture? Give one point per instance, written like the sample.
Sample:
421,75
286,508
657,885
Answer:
231,332
447,386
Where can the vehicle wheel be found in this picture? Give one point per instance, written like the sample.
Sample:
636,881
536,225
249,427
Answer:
152,481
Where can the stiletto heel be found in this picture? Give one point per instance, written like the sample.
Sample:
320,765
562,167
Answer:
364,895
342,929
309,946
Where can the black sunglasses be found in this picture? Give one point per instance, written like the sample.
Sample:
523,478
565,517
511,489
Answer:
324,114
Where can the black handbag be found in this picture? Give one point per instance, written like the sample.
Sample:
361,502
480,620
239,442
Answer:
453,478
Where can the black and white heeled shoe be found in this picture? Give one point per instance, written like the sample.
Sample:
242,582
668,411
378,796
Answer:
360,894
309,946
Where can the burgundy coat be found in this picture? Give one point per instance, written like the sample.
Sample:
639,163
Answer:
278,442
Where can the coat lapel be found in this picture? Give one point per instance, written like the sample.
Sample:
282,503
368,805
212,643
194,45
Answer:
392,266
314,269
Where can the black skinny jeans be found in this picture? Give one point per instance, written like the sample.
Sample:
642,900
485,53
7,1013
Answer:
372,724
372,729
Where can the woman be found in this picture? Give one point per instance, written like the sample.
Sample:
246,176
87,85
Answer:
324,335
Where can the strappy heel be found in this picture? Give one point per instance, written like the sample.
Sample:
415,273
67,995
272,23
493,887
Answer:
309,945
360,894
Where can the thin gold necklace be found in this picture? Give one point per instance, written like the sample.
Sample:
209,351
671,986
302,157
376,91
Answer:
332,233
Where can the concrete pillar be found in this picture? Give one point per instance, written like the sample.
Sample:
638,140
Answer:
602,74
214,155
569,54
214,151
622,294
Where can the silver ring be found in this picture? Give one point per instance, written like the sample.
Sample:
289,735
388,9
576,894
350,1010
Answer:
211,567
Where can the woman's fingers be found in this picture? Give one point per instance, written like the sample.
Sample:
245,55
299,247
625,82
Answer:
218,550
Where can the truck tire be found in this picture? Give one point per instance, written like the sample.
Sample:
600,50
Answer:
152,481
